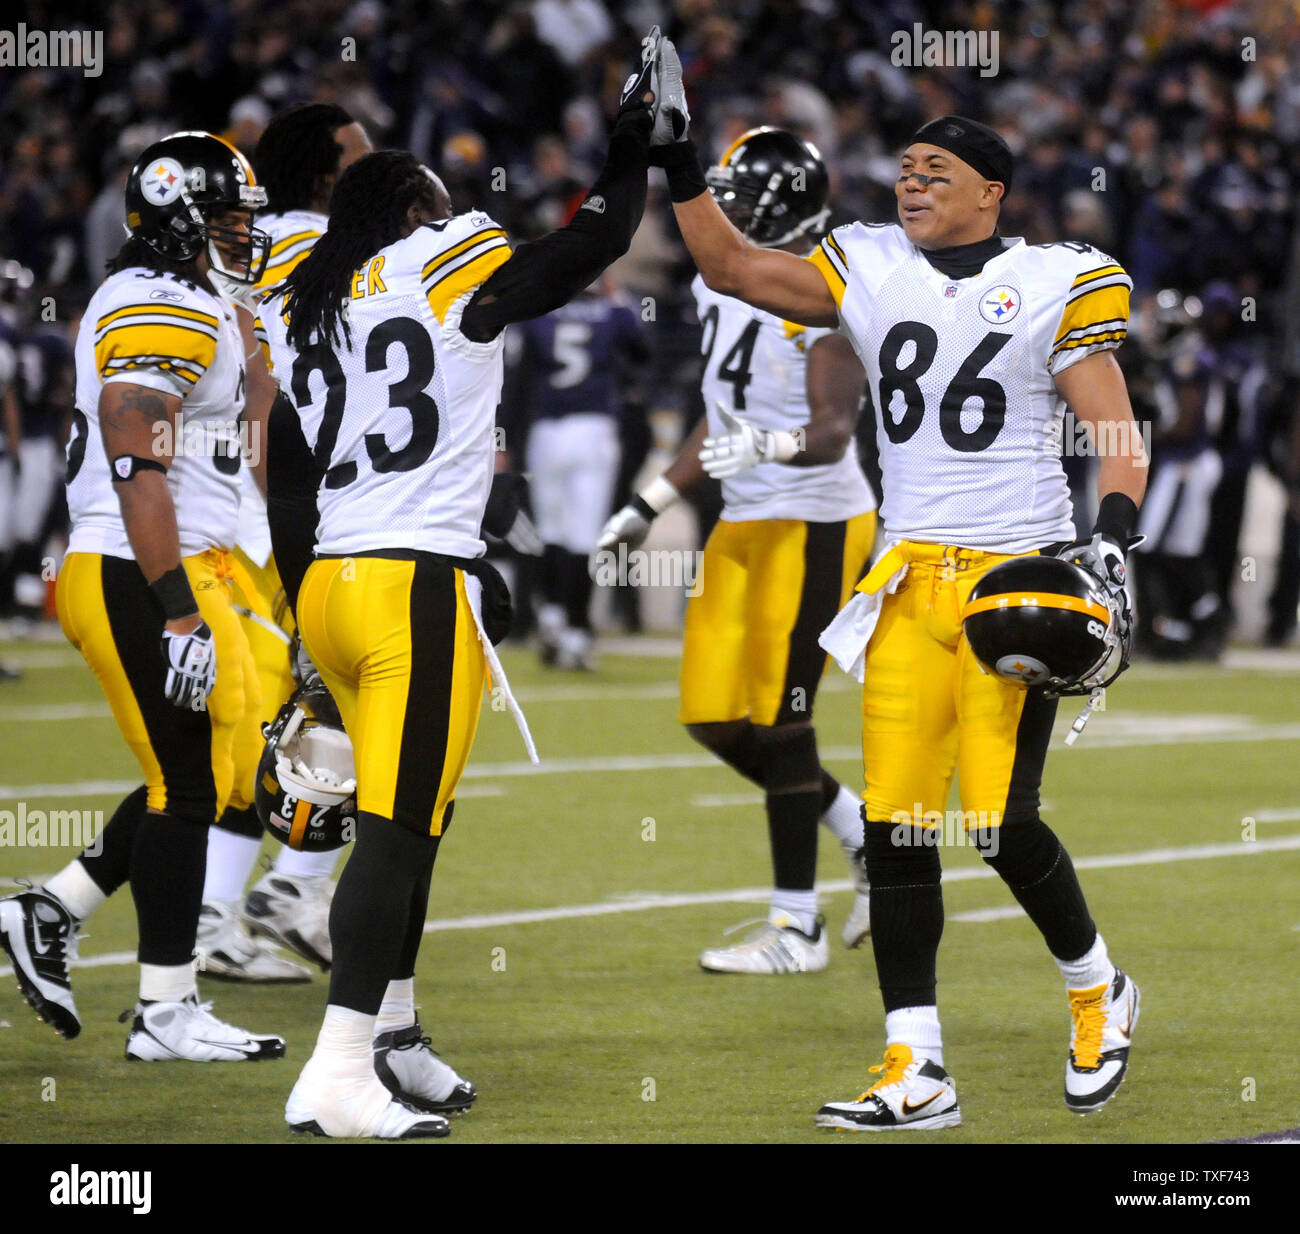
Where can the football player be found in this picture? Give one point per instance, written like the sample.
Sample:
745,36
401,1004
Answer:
297,161
153,492
795,534
388,339
971,343
566,389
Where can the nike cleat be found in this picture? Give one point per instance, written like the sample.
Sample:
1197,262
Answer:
187,1030
411,1070
40,936
1103,1019
326,1105
228,952
912,1095
778,946
293,911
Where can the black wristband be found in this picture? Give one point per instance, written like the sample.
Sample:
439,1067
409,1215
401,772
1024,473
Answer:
681,163
644,508
172,590
1117,516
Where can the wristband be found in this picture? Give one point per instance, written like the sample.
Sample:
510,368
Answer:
1116,518
172,591
655,498
681,163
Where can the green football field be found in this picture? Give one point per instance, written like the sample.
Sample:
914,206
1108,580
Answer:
570,903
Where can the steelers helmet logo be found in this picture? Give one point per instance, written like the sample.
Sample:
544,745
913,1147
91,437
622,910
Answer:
1022,668
162,181
999,304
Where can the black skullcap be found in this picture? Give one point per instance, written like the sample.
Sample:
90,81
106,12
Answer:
973,143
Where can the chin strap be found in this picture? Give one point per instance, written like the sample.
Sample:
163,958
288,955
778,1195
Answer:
1095,700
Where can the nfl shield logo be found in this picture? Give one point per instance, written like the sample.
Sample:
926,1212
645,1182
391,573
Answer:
950,290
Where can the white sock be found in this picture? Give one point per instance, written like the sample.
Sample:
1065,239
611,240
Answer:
917,1028
345,1045
844,817
398,1008
231,859
1093,968
78,892
800,906
167,983
294,864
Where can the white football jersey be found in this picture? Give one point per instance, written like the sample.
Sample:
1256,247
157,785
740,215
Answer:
402,419
292,236
969,422
756,365
164,332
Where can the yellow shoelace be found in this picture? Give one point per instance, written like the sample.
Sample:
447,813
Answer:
1088,1012
897,1060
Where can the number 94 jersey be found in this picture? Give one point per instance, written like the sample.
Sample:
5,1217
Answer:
166,333
401,419
961,371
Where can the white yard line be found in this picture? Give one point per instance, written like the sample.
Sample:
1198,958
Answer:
651,901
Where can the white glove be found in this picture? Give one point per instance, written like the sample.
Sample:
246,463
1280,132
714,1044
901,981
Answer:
1101,557
742,446
191,667
672,116
523,536
629,526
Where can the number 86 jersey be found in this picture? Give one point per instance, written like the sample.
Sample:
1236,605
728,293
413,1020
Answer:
400,419
969,422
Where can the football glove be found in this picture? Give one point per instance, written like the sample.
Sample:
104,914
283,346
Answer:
1103,557
504,515
672,116
632,107
631,524
743,446
191,667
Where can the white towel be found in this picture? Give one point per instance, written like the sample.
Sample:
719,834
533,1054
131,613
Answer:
845,639
474,593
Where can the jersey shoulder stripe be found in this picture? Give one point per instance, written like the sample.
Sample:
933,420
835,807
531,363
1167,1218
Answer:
176,341
464,263
309,235
833,269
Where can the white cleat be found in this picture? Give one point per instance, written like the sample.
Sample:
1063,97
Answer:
324,1105
293,911
406,1064
777,946
228,952
40,936
187,1030
912,1095
1102,1022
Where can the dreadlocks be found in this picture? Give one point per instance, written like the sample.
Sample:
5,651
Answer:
367,213
297,151
135,252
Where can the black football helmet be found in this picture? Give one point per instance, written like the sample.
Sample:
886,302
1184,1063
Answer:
179,185
772,185
306,782
1042,621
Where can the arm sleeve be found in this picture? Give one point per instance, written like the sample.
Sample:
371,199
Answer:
292,479
546,273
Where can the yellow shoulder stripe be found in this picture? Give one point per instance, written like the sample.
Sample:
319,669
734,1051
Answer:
456,250
157,308
173,348
296,238
834,279
1106,304
443,294
793,327
1091,276
274,274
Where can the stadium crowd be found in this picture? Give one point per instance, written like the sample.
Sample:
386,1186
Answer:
1167,134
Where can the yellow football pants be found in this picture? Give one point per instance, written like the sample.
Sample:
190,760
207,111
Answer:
767,589
109,614
929,710
396,643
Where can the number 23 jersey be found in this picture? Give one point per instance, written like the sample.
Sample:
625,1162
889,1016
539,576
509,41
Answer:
969,422
401,419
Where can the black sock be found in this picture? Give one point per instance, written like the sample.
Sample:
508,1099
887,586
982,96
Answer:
550,573
906,913
110,867
371,912
168,862
241,822
794,802
577,591
1034,864
420,906
734,742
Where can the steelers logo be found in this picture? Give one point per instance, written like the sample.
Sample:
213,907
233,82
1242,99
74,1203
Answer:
1021,668
999,304
162,181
